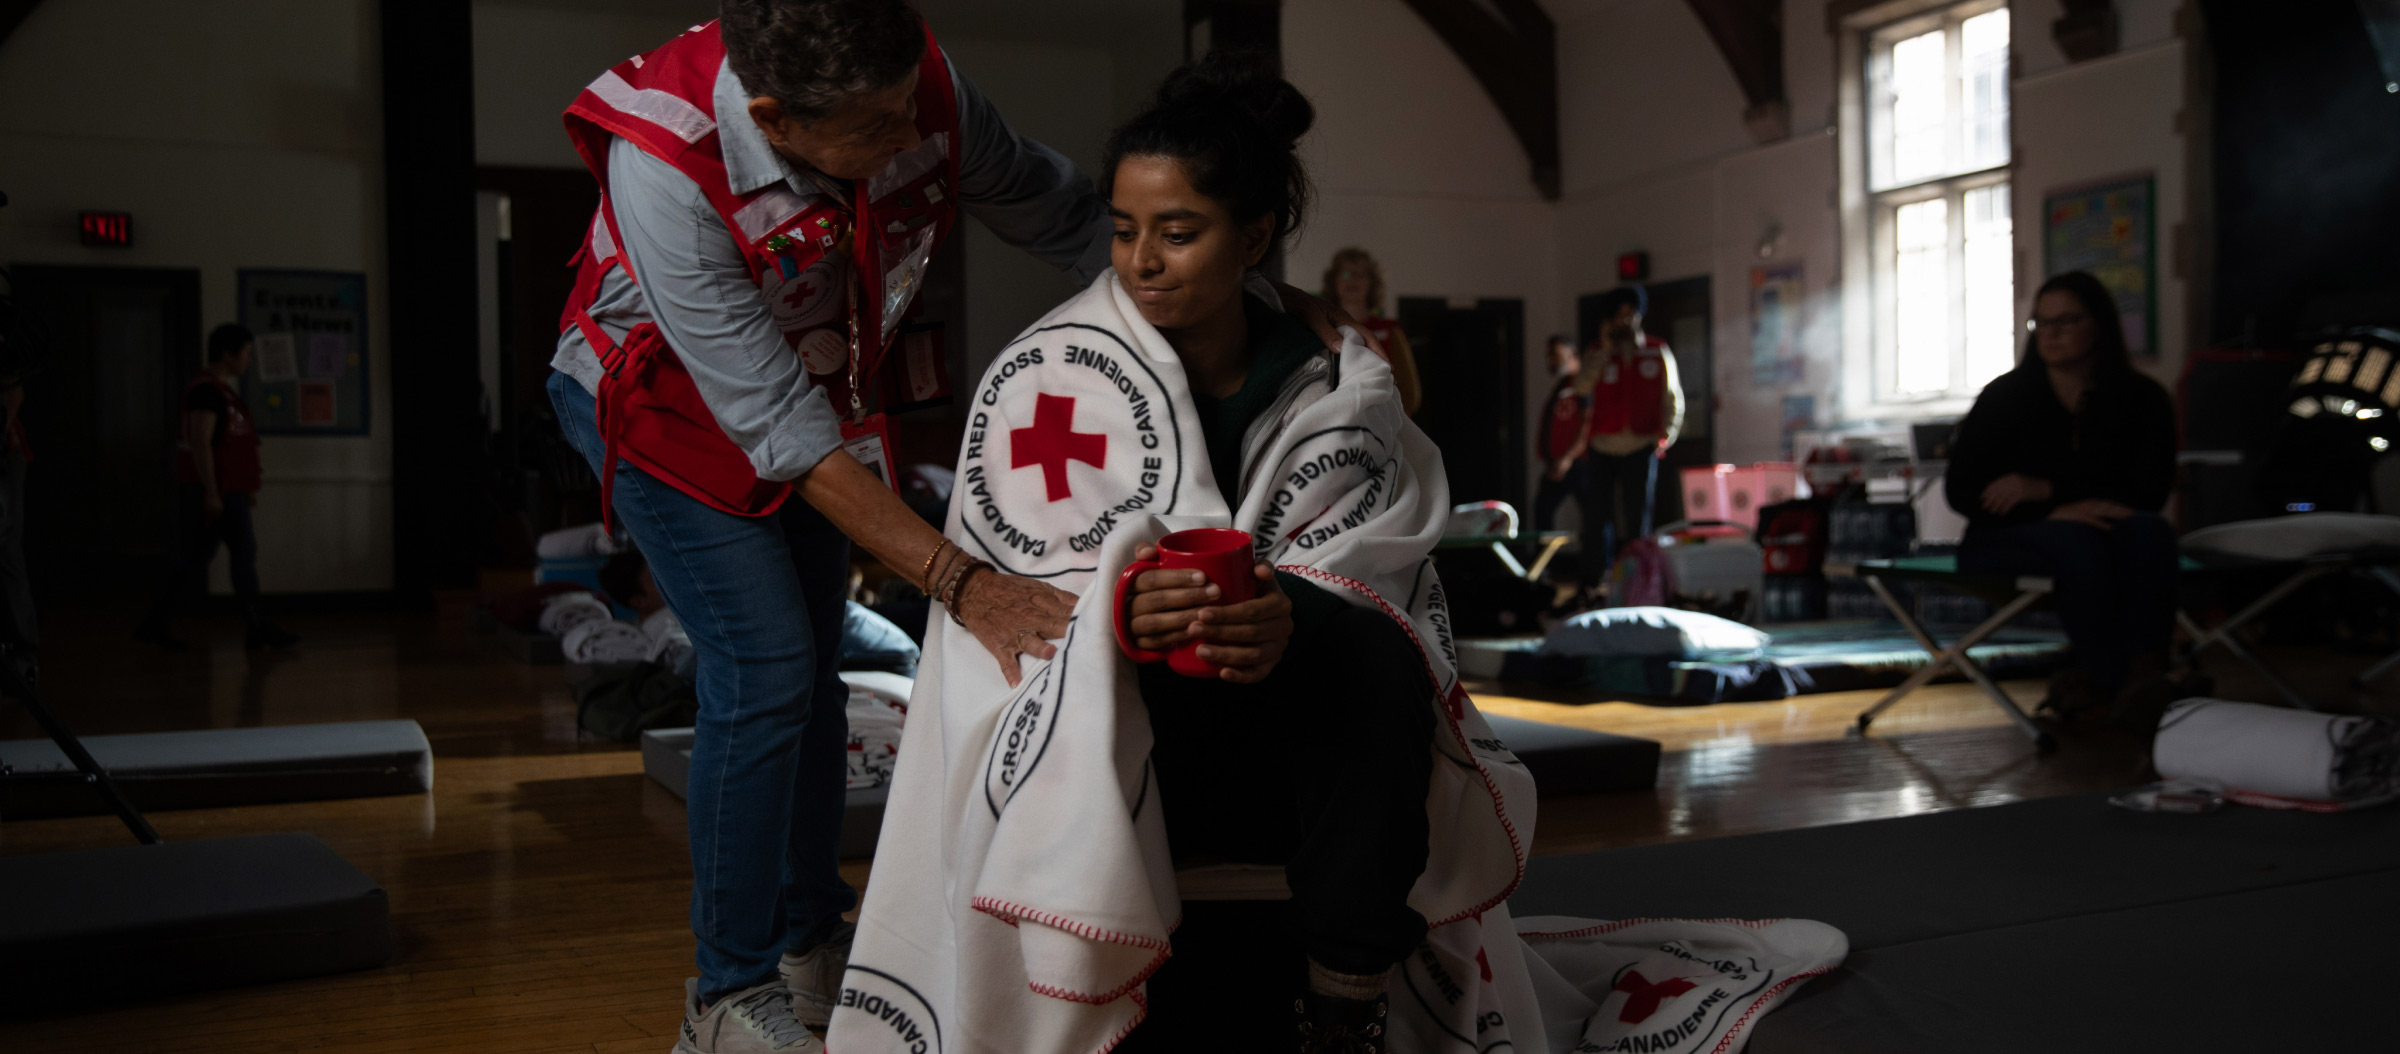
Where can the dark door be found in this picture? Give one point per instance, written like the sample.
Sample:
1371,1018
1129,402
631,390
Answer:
1679,315
1471,365
100,418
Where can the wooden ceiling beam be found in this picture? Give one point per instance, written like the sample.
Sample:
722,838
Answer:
1749,33
1511,47
12,15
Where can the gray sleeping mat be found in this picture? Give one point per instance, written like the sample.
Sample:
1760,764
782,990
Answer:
140,921
2063,924
1566,761
216,767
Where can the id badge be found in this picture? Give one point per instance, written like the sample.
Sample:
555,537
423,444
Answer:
869,441
901,281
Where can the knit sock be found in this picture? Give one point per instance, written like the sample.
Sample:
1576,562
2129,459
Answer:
1361,987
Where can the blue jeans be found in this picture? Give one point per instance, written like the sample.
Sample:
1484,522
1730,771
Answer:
2115,589
762,600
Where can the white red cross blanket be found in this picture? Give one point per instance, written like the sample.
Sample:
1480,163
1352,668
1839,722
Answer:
1663,986
1022,891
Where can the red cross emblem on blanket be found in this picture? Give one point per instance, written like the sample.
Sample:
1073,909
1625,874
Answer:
1052,441
1642,997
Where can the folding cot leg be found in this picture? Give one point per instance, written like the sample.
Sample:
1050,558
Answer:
1509,560
2392,582
1956,655
2223,633
1542,563
73,749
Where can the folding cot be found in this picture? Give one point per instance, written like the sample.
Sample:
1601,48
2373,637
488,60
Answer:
2010,596
2302,549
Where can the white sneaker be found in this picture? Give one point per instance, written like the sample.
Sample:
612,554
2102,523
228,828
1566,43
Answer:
815,979
752,1021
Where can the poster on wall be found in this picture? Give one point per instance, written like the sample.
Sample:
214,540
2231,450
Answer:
2110,230
308,375
1775,354
1799,415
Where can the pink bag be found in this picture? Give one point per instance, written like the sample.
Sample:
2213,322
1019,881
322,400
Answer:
1640,577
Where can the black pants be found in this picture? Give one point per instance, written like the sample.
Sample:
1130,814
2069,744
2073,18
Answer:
1555,492
1622,489
1323,768
198,536
2115,588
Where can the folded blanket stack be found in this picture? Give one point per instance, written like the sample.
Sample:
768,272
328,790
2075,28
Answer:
2279,758
566,611
576,543
875,723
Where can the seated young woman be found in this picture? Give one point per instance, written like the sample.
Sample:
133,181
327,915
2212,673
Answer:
1202,186
2061,469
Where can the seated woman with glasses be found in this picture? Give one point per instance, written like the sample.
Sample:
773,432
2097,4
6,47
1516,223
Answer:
2061,470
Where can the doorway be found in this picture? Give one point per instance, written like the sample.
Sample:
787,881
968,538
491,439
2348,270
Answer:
1471,366
100,420
1679,315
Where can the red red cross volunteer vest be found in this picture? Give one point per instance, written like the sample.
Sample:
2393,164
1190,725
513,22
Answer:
803,251
1567,411
1630,395
235,450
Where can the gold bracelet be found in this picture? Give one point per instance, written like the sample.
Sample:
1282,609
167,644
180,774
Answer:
958,589
925,574
935,585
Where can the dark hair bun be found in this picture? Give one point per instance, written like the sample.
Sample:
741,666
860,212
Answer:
1237,81
1236,128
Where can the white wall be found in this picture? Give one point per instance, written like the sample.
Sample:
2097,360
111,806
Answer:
530,61
1414,163
239,134
1063,96
1657,160
2110,117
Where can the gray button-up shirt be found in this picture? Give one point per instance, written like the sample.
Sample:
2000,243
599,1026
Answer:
696,286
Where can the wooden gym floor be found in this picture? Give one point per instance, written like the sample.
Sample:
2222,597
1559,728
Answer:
538,893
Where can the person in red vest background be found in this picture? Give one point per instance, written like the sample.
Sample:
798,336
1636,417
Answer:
1354,282
773,185
217,475
1561,438
1636,414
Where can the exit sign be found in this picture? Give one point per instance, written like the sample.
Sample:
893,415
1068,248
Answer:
110,229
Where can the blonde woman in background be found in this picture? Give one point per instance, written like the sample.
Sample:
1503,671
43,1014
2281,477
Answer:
1354,282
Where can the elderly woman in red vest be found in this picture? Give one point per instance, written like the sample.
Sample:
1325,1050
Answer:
773,187
217,479
1636,413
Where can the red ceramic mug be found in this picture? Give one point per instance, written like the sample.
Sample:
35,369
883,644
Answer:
1221,553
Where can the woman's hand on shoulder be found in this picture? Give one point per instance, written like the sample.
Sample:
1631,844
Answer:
1013,615
2009,491
1248,639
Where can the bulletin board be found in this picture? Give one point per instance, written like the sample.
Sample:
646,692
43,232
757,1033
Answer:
2110,230
308,372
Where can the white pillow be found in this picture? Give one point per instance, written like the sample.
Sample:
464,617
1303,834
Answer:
2297,537
1652,632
